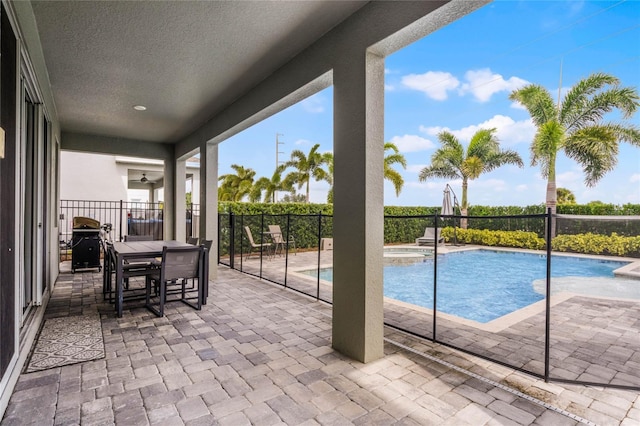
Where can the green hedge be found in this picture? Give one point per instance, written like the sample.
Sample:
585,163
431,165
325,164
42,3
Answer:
398,228
614,244
485,237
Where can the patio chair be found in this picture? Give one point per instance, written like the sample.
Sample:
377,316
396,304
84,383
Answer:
193,241
129,270
279,241
253,245
147,261
429,237
182,271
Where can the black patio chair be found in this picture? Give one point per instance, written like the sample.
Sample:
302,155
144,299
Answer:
182,270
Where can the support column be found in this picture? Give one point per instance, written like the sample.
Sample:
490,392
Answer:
181,203
209,202
358,207
169,210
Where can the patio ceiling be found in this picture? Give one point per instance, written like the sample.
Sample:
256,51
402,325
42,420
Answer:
185,61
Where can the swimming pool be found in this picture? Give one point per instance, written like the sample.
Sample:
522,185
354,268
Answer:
481,285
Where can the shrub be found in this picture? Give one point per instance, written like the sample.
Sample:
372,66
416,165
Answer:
614,244
486,237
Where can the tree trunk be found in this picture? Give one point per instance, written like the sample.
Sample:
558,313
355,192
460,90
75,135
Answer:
552,203
464,208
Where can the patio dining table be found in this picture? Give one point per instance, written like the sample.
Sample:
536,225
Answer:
132,250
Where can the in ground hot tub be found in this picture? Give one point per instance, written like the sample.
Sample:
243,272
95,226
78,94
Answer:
396,255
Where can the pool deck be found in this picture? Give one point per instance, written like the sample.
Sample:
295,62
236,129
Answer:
260,354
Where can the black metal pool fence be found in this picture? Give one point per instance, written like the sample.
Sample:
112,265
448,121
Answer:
566,336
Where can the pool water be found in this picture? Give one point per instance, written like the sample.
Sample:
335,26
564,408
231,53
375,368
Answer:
481,285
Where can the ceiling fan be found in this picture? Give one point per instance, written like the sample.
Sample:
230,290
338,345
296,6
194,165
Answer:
144,178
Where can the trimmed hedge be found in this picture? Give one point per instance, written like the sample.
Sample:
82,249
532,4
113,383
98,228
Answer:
405,224
614,244
485,237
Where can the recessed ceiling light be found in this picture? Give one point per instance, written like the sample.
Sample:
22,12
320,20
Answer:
139,107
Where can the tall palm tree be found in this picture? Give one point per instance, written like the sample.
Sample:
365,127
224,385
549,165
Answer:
389,160
307,167
269,186
482,155
574,125
235,186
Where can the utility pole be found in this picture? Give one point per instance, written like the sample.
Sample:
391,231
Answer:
278,143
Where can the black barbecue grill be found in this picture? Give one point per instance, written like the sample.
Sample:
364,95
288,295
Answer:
85,244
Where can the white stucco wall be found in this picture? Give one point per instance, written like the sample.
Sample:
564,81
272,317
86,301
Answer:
91,177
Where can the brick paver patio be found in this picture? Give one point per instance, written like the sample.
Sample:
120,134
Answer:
258,354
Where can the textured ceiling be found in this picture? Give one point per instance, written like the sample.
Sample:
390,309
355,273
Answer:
183,60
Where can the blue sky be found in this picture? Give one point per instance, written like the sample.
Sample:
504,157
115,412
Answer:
459,79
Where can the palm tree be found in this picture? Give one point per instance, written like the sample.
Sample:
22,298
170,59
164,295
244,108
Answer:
307,167
235,186
482,155
565,196
389,160
269,186
574,126
389,173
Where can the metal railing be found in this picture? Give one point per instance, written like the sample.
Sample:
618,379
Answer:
552,336
119,218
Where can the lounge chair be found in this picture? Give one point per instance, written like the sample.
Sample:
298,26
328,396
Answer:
252,245
429,237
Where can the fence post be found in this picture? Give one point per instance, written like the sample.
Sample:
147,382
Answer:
232,240
261,240
435,276
120,221
547,326
319,248
286,253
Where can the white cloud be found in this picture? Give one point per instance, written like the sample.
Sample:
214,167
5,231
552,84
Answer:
635,178
415,168
517,105
411,143
433,131
568,179
389,87
303,142
508,131
522,188
313,104
434,84
483,84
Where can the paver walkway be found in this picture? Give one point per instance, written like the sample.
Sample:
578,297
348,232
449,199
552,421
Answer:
258,354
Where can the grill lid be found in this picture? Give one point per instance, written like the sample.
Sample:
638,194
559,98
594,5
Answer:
80,222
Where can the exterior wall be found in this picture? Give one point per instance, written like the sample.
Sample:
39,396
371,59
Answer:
101,177
91,177
30,64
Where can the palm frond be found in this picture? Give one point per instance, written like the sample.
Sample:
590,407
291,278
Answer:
538,101
578,95
596,149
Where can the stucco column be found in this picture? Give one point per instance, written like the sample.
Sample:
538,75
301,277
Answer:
181,200
169,213
209,202
358,207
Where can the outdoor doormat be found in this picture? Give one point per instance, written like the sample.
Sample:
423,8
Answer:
67,340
